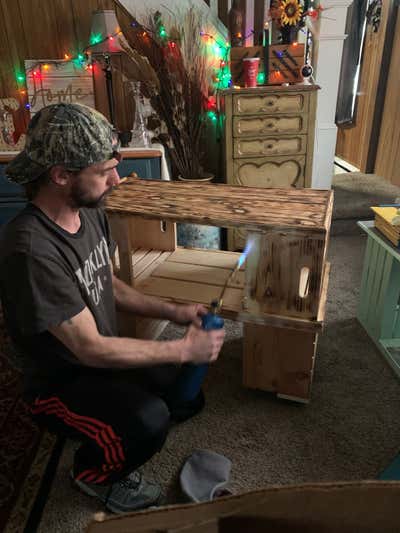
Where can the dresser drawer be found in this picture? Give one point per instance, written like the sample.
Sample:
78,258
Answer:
269,172
270,103
269,146
254,126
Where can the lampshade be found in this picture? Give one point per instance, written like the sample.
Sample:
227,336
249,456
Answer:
104,24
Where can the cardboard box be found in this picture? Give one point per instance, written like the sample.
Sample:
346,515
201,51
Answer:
348,507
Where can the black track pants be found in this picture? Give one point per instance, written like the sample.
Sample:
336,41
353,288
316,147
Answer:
121,417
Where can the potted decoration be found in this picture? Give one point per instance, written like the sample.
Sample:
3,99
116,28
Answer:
289,17
180,97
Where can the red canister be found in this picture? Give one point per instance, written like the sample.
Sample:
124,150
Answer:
250,68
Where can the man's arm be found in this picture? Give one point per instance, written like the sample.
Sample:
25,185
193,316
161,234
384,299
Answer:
129,299
81,336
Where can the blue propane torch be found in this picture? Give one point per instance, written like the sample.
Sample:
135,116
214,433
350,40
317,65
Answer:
212,320
192,376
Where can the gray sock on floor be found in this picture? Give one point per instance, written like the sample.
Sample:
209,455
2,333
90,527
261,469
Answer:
204,474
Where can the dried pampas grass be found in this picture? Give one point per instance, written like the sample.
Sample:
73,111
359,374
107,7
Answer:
177,79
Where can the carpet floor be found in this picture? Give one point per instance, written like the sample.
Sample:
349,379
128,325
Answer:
349,431
25,451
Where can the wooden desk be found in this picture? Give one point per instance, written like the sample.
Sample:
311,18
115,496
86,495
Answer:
280,293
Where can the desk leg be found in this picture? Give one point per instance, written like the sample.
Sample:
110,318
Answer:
279,360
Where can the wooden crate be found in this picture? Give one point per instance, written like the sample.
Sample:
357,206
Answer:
285,268
285,273
378,308
281,63
142,215
279,360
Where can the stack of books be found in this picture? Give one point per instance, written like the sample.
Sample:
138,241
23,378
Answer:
387,221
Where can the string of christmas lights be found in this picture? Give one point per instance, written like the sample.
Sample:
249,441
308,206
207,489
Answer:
221,78
81,60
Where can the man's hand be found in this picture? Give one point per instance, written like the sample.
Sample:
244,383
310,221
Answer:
189,314
200,346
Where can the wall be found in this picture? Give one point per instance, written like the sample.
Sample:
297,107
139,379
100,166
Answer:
47,30
354,143
388,155
328,37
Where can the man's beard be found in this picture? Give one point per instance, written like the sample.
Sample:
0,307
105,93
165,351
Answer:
79,199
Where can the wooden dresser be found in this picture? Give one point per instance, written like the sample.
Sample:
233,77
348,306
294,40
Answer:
269,139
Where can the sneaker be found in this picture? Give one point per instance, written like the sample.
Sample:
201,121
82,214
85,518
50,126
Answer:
128,494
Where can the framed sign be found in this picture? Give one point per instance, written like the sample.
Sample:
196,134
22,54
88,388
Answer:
53,82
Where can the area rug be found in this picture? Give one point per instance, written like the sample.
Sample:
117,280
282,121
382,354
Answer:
25,451
349,431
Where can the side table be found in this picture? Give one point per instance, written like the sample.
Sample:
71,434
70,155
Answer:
378,309
280,292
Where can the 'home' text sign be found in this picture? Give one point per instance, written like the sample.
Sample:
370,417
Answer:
56,82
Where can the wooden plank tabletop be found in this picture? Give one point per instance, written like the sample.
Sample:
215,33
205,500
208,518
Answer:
271,88
250,208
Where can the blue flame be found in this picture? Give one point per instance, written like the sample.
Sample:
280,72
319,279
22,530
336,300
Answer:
245,253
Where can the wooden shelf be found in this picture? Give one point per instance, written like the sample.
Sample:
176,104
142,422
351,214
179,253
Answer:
197,276
249,208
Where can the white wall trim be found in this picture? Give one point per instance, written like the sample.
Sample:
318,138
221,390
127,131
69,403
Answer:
326,126
338,37
329,36
328,4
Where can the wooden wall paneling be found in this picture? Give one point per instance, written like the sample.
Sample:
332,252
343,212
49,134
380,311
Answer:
15,49
41,29
388,154
223,11
353,143
7,72
82,12
381,86
66,28
39,25
105,4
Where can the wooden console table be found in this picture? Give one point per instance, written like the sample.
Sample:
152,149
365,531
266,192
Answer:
280,294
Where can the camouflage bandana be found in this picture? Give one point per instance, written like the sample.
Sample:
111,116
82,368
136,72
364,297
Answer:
72,135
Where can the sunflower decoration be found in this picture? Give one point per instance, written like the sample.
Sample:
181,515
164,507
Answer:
291,12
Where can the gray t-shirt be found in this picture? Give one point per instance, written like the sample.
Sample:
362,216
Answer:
47,276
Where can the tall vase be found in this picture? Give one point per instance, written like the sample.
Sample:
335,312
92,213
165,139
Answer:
140,135
235,24
197,235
